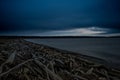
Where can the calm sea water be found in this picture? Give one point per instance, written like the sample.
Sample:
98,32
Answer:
104,48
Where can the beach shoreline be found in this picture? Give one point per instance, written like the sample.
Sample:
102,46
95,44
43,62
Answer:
103,50
64,60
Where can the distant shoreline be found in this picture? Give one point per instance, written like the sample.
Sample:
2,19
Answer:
14,37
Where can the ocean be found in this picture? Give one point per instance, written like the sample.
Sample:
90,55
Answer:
104,48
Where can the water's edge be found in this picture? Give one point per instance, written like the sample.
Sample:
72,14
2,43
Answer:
93,58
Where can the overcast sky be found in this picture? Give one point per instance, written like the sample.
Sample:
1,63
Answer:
59,17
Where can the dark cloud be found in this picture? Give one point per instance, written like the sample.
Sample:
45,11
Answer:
58,14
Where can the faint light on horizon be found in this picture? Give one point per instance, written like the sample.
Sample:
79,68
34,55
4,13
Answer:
83,31
88,31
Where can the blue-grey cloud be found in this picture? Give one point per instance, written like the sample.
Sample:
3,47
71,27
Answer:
84,31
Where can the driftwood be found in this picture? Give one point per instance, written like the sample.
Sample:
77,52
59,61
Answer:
22,60
17,66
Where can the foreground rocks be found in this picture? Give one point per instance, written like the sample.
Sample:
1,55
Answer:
22,60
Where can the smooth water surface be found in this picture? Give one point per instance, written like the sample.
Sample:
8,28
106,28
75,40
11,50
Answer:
104,48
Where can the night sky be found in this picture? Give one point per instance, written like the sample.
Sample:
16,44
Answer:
59,17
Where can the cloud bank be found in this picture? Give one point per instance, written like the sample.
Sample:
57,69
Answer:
88,31
84,31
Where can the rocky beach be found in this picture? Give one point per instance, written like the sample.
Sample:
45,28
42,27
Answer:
24,60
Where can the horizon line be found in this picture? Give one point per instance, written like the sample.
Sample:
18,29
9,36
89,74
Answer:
59,37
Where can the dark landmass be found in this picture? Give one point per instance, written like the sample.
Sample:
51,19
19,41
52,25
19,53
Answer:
23,60
31,37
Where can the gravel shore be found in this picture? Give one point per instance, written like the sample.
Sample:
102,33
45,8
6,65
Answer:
23,60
